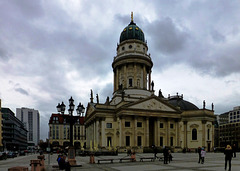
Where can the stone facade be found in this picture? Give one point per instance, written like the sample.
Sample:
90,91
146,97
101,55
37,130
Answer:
59,129
135,118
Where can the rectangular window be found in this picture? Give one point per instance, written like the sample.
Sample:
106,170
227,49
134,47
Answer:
171,141
53,132
57,133
139,141
127,140
161,141
139,124
109,125
171,126
64,132
127,124
161,125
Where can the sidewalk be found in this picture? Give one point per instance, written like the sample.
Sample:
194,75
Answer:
181,162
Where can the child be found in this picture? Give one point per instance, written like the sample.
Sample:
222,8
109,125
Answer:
169,156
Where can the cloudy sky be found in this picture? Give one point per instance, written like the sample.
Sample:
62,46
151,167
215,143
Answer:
51,50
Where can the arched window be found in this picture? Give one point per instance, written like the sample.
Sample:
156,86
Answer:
194,134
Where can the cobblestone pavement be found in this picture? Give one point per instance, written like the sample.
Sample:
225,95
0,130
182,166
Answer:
181,162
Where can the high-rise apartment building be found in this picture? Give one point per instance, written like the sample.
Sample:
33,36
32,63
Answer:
31,120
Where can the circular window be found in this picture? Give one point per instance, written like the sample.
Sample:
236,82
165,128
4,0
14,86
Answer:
123,48
130,46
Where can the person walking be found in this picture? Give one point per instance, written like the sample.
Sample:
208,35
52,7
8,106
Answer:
228,156
199,154
203,154
165,154
169,156
234,149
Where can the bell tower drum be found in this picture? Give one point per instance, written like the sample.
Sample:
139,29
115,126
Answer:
132,66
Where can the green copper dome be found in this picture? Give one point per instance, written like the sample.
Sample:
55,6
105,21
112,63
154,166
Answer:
132,31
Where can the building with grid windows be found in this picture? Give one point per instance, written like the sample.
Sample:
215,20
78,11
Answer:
31,121
234,115
59,127
14,134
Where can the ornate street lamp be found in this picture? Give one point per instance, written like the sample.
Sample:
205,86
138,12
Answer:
80,109
63,108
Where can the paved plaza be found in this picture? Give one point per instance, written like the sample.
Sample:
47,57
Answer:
181,162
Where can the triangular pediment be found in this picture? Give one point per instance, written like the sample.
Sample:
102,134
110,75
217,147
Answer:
90,109
153,104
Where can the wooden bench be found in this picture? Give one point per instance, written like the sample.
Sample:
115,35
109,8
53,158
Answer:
105,160
130,159
151,158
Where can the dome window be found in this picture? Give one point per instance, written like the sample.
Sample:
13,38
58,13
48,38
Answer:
136,28
123,48
130,46
130,28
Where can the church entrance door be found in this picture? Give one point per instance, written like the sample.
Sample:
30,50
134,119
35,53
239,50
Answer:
151,131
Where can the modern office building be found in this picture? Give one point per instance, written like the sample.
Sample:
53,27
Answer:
223,118
14,134
228,128
31,120
59,131
234,115
135,118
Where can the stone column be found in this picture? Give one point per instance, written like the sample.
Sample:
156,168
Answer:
144,77
125,76
212,126
94,131
203,132
157,138
168,132
135,131
103,133
97,133
149,79
147,132
177,133
122,132
114,79
117,78
185,134
135,76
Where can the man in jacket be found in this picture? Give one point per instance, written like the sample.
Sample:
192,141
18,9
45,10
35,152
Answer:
228,156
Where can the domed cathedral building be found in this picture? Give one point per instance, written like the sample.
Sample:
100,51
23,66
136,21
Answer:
135,118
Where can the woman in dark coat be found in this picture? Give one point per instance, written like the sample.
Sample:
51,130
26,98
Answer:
228,156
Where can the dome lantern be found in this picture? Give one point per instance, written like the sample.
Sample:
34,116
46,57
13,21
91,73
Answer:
132,31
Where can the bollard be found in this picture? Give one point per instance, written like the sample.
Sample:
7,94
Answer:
133,156
18,168
42,158
92,160
35,165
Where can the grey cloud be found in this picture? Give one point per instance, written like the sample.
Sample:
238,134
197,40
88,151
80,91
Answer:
22,91
217,37
166,37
